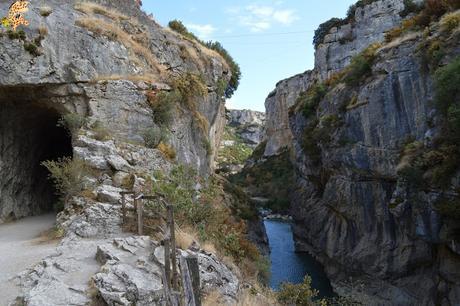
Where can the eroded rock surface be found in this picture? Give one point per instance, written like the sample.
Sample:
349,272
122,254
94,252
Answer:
249,125
380,240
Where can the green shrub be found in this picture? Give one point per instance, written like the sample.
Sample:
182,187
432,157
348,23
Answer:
162,105
352,9
222,86
101,133
234,82
449,208
410,7
234,67
179,27
235,154
153,136
447,80
310,144
297,294
72,122
32,48
263,266
361,66
16,34
259,151
311,98
207,146
189,86
324,29
67,175
272,178
203,210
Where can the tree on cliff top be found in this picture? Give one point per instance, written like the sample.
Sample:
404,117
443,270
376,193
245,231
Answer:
232,86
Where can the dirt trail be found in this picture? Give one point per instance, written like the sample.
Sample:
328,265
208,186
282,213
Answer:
21,248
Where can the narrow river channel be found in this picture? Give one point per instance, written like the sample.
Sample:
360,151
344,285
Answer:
289,266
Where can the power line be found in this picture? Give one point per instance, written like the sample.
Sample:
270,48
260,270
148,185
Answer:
263,34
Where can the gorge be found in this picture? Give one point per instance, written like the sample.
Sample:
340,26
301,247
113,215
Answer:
361,153
349,125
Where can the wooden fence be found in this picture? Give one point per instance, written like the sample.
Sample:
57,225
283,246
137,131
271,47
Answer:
183,291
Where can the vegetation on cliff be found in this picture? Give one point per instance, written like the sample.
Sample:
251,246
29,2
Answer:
214,211
234,82
273,178
326,27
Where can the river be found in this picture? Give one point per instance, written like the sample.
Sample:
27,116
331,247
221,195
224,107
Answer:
289,266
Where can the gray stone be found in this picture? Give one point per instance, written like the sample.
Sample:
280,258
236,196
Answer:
248,125
118,163
352,210
109,194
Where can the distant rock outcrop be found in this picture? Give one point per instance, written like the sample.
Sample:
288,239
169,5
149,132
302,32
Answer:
249,125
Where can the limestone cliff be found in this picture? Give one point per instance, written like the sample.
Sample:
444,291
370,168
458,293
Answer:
249,125
98,68
382,239
101,65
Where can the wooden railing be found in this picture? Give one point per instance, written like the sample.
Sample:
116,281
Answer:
184,291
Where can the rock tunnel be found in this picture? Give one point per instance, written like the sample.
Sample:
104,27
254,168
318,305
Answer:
29,134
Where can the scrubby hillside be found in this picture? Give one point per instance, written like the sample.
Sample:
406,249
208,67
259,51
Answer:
97,98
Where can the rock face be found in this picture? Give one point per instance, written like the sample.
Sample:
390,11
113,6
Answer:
351,208
279,135
98,68
249,125
244,131
81,67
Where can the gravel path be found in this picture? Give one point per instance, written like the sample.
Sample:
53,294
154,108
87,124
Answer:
21,248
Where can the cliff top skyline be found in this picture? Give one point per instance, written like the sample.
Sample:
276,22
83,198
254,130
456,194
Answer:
260,35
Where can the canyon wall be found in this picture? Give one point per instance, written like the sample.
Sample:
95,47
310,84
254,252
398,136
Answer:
102,66
382,241
81,81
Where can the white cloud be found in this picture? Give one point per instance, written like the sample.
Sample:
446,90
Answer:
285,16
262,17
203,31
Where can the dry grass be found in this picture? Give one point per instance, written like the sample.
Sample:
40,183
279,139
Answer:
45,11
167,150
93,8
201,121
401,39
185,238
410,151
146,77
257,296
212,299
450,22
43,31
53,235
115,33
196,49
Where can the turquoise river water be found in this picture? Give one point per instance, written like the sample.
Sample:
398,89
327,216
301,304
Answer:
289,266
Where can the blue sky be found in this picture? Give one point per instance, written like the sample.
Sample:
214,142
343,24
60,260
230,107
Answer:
270,39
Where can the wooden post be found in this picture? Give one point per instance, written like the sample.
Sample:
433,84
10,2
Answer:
167,261
189,296
194,270
140,218
123,209
172,236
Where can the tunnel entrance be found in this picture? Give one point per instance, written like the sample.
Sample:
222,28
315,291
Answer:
29,134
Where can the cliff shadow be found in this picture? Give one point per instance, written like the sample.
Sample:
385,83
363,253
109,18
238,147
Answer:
29,135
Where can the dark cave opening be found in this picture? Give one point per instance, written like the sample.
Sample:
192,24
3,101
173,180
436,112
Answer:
29,135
